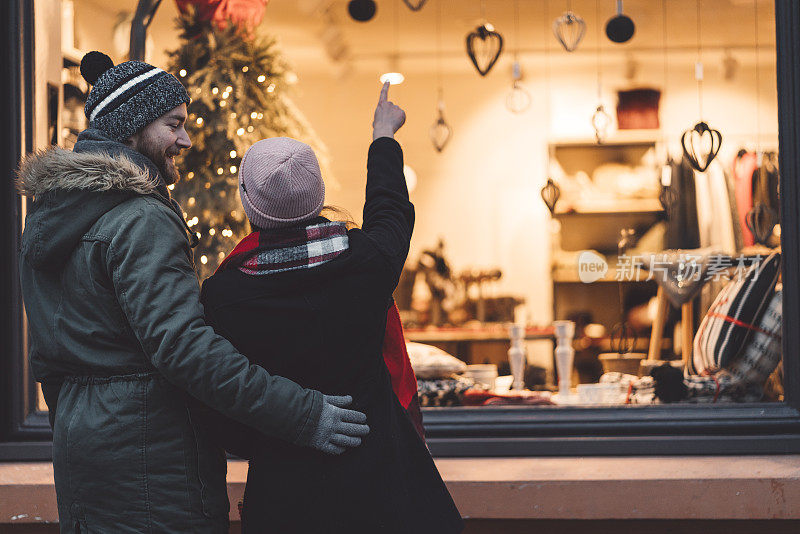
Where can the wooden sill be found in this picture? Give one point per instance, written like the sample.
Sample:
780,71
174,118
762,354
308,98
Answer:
714,487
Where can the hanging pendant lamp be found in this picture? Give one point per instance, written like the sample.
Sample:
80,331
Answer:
620,29
361,10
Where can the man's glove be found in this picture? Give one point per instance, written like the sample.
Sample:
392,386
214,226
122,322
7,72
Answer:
338,427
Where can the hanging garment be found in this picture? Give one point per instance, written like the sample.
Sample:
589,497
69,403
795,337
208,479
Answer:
682,227
730,189
765,182
744,165
718,218
714,210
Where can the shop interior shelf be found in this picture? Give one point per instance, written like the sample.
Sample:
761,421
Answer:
564,276
618,207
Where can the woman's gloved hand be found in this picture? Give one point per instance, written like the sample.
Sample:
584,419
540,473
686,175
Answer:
338,427
389,117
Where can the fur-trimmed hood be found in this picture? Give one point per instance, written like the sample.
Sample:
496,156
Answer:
59,169
73,189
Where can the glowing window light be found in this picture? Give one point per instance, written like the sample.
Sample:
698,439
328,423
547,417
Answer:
393,78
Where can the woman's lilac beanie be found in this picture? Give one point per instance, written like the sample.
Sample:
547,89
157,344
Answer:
280,183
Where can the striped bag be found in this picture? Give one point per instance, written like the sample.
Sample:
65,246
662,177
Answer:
763,352
732,318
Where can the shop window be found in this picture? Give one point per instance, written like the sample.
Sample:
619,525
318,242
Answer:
656,322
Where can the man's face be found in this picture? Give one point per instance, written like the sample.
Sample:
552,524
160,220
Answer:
162,140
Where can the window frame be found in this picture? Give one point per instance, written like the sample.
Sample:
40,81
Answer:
759,428
24,431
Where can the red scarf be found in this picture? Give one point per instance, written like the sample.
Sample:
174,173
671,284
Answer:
262,253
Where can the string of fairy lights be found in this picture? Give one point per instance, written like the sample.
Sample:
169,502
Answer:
224,95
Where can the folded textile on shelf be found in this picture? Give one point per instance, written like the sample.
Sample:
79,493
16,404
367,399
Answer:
476,397
431,362
633,389
443,392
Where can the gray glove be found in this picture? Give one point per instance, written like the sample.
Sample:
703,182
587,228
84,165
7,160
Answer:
338,427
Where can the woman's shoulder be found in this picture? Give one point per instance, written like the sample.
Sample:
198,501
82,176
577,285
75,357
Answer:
365,249
219,285
362,247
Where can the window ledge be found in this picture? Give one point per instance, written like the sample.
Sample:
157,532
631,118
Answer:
715,487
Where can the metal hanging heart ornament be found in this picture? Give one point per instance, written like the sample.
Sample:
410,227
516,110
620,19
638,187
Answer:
415,6
440,131
569,29
701,145
550,195
484,46
761,221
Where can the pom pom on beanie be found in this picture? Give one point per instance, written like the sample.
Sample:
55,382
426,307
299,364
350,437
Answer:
93,65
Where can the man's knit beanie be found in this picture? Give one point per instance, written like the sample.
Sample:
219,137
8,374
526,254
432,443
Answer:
127,97
280,183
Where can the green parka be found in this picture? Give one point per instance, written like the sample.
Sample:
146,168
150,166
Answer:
118,340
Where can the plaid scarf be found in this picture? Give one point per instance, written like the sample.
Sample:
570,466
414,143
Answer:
275,251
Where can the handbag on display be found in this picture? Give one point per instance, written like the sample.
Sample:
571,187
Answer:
762,354
734,316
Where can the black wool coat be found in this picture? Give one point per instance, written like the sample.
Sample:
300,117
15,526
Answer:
323,328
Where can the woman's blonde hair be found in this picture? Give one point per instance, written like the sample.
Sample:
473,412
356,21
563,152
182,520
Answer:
335,213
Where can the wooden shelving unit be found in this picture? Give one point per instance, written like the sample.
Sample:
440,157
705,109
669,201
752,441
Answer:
596,224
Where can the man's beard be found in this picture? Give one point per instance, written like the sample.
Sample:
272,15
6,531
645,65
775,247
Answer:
165,165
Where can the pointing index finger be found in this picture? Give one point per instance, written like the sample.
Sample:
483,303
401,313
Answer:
384,92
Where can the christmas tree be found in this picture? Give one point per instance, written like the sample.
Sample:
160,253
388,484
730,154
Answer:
238,83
